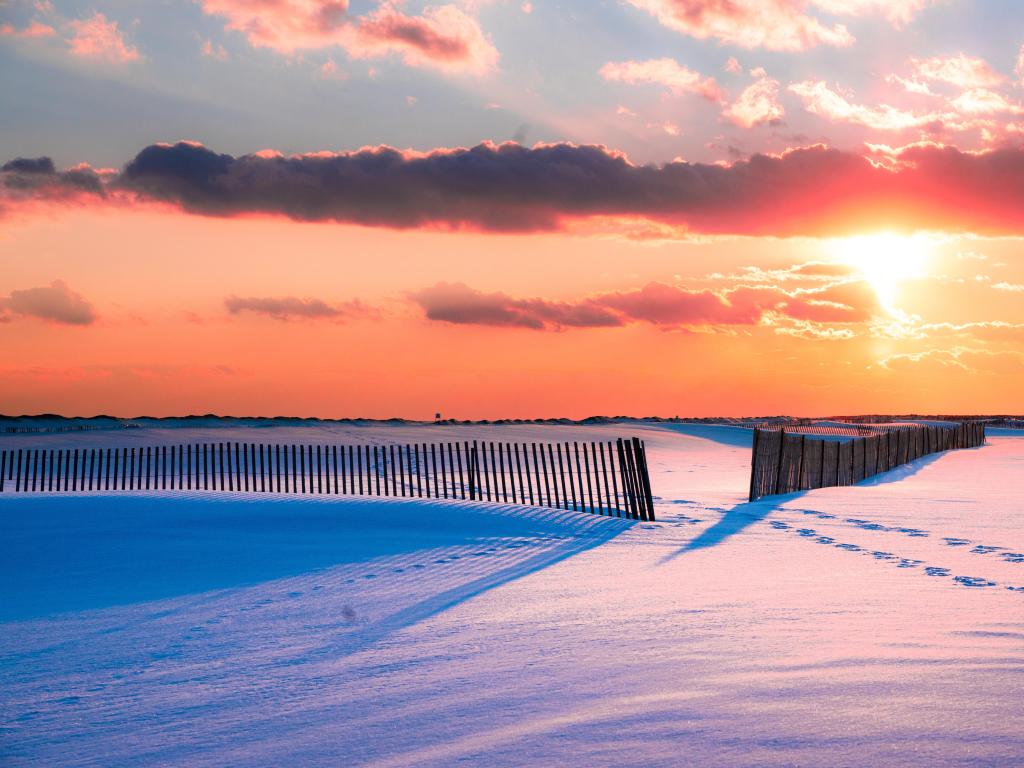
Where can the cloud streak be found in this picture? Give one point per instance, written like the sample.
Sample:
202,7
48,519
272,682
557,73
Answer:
658,304
292,308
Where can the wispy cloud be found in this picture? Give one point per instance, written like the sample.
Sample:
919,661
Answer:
665,72
292,308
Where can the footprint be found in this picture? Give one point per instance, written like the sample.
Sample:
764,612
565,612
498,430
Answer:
906,563
849,547
778,525
932,570
954,542
1013,557
973,581
984,549
825,540
914,532
807,532
883,555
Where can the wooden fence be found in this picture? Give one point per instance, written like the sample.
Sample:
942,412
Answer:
605,478
783,462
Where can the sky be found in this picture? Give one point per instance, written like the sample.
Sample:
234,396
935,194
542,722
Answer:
508,209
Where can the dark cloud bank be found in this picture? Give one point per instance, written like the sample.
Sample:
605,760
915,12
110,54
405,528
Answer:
510,188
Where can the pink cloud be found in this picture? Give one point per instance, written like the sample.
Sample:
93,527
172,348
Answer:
458,304
667,306
981,101
897,12
444,37
960,70
759,103
666,72
55,303
780,25
826,102
33,30
732,66
212,51
292,308
98,38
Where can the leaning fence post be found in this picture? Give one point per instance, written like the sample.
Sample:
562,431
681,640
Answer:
645,477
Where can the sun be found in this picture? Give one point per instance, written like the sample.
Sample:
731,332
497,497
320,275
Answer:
885,261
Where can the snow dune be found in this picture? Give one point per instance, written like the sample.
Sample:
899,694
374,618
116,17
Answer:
881,624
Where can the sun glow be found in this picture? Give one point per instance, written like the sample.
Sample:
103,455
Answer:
885,261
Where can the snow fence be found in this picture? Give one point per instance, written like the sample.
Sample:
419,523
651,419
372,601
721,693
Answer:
604,478
783,462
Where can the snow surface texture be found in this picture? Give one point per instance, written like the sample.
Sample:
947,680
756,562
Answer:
880,624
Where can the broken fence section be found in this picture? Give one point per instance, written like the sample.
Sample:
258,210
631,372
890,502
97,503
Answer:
604,478
783,462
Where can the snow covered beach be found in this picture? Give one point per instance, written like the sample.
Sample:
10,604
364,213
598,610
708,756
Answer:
868,625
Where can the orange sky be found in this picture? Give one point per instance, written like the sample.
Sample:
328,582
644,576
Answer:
163,343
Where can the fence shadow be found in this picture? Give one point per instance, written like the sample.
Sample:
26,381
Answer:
604,531
734,521
126,550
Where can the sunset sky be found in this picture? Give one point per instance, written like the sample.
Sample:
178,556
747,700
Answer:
496,208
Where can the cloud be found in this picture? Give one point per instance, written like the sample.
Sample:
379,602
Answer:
960,70
37,178
659,304
821,100
759,103
34,30
213,51
99,38
291,308
897,12
55,303
459,304
666,72
778,25
967,359
444,36
812,191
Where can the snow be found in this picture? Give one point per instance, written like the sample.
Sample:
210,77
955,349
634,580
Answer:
867,625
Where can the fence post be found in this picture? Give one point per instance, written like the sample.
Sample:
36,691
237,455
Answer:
778,466
645,477
753,465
